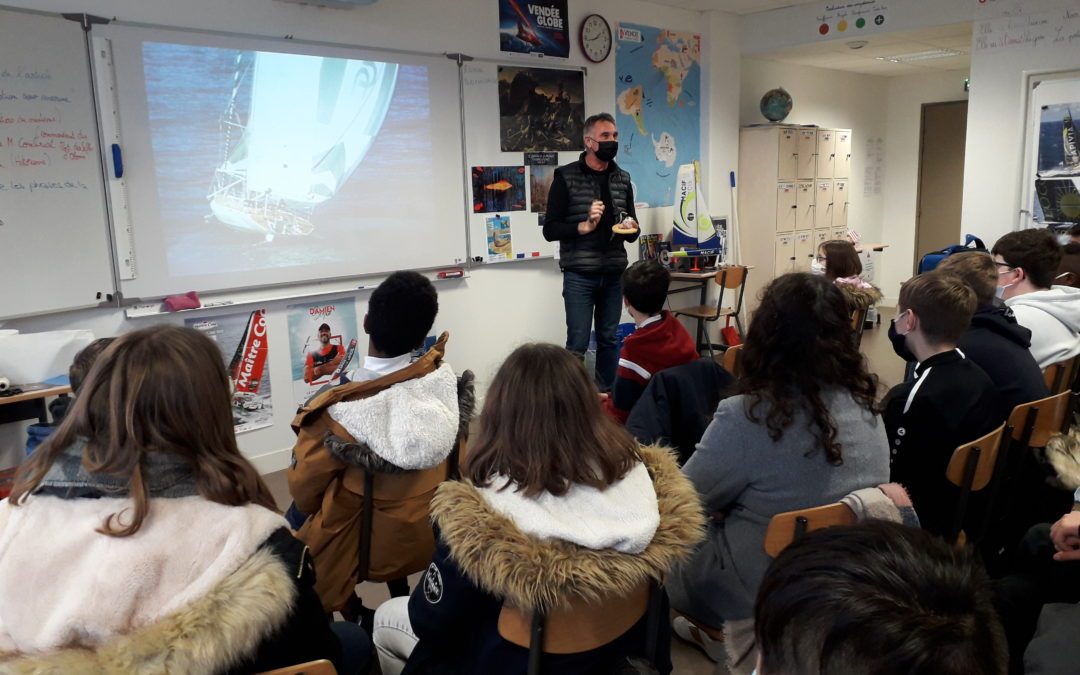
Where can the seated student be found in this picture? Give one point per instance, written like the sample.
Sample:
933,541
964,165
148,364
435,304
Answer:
801,432
950,402
838,261
1068,272
993,340
558,507
1027,263
80,366
876,598
659,342
398,420
139,539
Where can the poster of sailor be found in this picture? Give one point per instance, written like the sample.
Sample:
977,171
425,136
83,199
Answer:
537,27
498,188
541,109
242,339
322,344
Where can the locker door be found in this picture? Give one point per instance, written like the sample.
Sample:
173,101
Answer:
785,254
840,233
804,250
787,161
824,204
826,153
840,203
785,207
807,149
804,202
820,237
843,154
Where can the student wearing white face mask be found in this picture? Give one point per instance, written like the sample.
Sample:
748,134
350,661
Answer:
1027,263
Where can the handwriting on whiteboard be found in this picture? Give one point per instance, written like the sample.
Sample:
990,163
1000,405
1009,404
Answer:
37,144
1044,30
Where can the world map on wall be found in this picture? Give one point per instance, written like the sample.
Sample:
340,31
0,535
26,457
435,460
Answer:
657,110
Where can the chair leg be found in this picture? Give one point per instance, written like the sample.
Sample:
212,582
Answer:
965,492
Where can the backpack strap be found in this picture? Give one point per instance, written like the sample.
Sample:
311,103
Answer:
536,642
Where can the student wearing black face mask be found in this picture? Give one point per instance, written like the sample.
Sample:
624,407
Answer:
591,214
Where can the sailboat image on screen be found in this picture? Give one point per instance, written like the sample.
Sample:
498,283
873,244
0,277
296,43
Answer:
692,226
310,122
248,361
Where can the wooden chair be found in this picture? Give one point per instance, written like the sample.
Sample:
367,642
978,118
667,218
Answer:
1032,424
320,667
579,627
1061,376
733,360
786,527
733,278
972,468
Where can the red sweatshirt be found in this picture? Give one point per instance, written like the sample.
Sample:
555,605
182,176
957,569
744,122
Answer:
661,342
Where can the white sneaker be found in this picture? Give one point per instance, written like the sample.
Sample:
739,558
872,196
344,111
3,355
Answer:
689,632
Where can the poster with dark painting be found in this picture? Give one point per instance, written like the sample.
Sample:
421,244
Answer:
541,109
498,188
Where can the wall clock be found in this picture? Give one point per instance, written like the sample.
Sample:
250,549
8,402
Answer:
595,38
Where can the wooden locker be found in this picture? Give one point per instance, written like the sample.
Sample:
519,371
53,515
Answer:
823,202
785,207
820,237
807,149
840,203
804,250
787,161
843,154
785,254
804,202
826,153
840,233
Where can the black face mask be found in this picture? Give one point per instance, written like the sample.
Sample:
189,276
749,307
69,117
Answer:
606,150
899,345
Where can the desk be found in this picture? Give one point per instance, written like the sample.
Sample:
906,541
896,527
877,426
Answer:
876,248
700,280
29,405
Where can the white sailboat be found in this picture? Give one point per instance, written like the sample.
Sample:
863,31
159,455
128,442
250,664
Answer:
312,121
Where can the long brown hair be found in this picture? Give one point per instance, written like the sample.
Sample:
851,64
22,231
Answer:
800,343
542,426
841,259
160,389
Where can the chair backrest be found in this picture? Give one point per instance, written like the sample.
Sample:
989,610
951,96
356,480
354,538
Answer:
581,626
731,277
733,360
1060,376
1039,420
786,527
983,453
320,667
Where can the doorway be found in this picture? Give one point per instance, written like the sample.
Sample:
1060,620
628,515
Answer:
941,176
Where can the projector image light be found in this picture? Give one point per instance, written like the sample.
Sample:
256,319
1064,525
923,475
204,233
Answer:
335,4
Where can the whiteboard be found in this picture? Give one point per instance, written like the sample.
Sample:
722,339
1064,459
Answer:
341,155
53,223
480,88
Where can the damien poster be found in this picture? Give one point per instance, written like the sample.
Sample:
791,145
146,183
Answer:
245,348
536,27
322,344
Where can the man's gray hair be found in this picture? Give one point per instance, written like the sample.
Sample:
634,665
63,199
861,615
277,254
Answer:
599,117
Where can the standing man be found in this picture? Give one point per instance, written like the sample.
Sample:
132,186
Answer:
323,360
591,214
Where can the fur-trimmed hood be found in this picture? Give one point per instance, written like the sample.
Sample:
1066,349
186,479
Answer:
859,294
223,618
408,426
531,572
1063,451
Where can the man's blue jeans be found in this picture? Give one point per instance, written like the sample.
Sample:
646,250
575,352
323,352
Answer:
589,295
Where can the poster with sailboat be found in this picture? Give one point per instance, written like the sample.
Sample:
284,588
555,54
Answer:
1057,183
245,348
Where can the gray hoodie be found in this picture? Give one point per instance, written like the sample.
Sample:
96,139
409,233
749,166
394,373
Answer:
1053,317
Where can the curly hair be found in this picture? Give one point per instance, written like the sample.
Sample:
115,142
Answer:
800,344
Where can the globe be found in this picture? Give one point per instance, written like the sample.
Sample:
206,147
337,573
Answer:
776,104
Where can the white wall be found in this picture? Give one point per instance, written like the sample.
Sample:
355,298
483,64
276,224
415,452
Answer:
992,166
906,96
499,306
830,99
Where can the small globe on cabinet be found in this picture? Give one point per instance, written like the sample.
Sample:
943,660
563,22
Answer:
776,104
